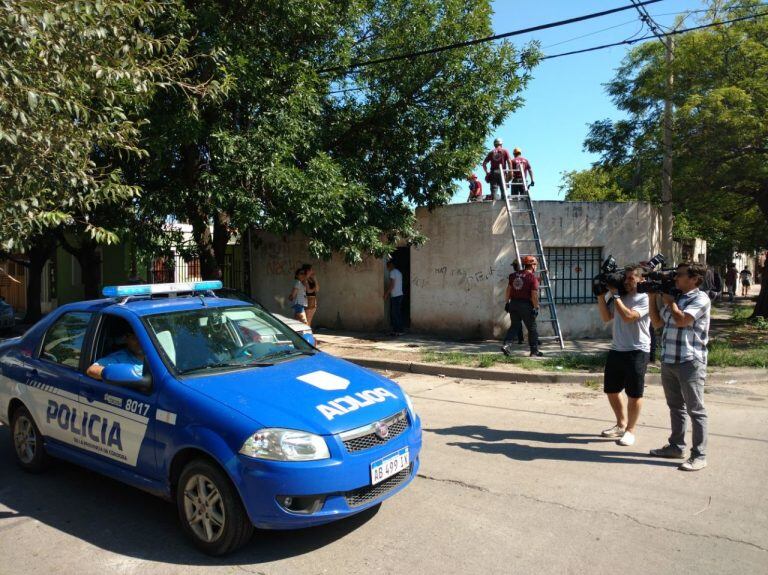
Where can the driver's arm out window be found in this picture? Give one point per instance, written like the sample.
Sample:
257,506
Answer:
64,340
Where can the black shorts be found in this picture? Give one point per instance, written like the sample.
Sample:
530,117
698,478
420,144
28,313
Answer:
625,370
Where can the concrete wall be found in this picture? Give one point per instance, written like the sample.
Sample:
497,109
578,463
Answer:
349,297
459,277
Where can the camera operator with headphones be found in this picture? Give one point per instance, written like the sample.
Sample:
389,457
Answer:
685,320
628,357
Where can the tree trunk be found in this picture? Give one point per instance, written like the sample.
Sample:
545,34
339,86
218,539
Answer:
89,259
761,307
90,264
221,235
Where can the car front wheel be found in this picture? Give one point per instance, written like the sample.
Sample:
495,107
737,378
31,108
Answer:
210,510
27,441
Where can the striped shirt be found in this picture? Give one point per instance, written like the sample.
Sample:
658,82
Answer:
681,344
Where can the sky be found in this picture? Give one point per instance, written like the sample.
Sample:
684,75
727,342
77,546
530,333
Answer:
566,94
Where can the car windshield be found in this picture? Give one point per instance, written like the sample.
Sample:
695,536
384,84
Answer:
223,338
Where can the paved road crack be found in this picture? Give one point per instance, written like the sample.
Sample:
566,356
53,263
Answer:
626,516
457,482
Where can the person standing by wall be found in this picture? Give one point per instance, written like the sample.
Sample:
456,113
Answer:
628,356
499,159
522,297
394,292
516,327
313,286
298,295
685,320
730,280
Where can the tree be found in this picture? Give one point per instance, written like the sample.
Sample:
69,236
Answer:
593,185
720,177
302,143
72,75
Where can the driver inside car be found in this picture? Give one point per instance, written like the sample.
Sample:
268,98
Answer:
132,354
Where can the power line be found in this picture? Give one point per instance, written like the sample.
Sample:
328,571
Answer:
646,18
663,34
621,43
439,49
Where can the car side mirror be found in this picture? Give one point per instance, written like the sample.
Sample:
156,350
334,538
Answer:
127,375
309,338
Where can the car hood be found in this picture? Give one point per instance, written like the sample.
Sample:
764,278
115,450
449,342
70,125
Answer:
320,394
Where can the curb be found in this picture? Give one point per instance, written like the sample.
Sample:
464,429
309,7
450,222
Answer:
479,373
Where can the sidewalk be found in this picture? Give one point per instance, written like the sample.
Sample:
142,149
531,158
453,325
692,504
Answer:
406,354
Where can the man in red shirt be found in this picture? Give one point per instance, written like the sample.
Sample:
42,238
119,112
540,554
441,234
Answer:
475,189
520,167
499,159
522,297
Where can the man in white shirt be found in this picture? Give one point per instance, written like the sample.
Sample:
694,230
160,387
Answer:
395,293
628,357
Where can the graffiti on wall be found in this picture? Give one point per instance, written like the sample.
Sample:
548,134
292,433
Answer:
462,278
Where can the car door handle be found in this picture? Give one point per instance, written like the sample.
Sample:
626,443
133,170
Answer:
32,374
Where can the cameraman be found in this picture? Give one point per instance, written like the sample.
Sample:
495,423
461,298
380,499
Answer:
684,363
628,357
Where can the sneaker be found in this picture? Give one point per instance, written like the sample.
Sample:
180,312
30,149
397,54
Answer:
614,431
627,439
536,353
694,463
668,452
505,350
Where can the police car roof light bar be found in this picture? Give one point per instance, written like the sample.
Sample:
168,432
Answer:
152,289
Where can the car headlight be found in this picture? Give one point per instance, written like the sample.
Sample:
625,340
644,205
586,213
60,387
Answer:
409,403
285,445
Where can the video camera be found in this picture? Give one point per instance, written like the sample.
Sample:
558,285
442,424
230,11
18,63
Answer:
611,276
662,281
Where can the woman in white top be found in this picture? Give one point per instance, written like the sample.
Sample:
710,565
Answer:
298,296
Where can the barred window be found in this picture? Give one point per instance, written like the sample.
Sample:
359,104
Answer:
571,271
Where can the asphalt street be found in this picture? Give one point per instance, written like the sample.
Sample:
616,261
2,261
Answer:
514,479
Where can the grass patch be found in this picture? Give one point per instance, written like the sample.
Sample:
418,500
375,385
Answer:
565,362
593,385
725,354
741,313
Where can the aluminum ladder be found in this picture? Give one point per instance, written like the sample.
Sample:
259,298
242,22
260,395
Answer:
518,202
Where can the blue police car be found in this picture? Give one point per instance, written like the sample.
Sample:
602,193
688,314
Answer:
210,402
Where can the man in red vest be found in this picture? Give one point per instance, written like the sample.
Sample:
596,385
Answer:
475,189
522,297
520,167
499,159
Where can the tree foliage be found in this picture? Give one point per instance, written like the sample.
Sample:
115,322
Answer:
720,96
73,75
301,143
720,123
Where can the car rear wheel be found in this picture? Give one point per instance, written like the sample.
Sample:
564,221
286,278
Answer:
27,442
210,510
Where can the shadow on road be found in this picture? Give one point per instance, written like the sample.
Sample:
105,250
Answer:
124,520
501,442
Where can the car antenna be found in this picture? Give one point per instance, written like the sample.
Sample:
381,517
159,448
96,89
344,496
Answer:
201,295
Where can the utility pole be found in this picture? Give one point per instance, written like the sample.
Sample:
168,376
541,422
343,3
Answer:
668,40
667,219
